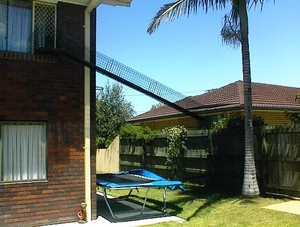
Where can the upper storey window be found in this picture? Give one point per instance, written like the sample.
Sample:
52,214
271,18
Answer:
44,22
26,25
15,25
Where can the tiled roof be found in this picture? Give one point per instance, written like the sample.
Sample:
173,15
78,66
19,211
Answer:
264,96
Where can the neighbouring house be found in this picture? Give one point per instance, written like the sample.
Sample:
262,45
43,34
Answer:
269,102
47,112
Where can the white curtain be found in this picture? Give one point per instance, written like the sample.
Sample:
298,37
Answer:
19,26
23,152
3,23
15,25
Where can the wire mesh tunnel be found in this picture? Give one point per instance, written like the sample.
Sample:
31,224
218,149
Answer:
128,76
137,78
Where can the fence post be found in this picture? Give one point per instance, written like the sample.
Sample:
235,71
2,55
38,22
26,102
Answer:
264,160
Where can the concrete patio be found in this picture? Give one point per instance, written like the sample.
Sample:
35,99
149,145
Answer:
128,214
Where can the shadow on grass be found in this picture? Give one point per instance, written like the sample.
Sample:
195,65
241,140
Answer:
245,201
208,200
176,203
209,197
156,204
175,207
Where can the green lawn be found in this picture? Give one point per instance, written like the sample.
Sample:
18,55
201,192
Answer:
200,208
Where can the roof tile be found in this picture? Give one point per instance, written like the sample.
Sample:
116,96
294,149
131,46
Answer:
229,96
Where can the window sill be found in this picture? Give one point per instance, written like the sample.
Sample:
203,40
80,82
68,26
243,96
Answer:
23,182
27,57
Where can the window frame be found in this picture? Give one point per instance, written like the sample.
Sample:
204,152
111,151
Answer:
45,161
34,3
31,47
17,44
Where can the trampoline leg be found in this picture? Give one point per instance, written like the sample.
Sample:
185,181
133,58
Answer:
165,200
107,203
128,194
131,192
146,196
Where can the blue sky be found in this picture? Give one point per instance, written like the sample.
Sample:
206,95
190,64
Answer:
187,54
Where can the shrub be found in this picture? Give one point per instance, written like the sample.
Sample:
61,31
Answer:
134,132
176,139
230,122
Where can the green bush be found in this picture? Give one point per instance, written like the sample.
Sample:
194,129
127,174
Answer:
294,117
231,122
134,132
176,138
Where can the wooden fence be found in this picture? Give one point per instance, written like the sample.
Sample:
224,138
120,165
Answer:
217,159
107,160
280,159
210,159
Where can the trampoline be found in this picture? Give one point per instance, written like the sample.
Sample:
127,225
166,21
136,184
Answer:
135,179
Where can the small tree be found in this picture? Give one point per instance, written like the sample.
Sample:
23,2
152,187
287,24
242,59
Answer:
176,138
294,116
143,134
231,122
135,132
156,106
112,110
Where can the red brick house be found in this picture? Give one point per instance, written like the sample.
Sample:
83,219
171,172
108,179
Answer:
269,102
47,106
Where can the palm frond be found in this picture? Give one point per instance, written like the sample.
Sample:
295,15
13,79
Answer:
231,34
250,4
254,3
173,10
234,13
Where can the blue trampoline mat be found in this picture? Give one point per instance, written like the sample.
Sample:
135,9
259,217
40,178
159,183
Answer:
135,178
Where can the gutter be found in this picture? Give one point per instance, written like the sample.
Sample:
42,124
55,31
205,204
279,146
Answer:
116,2
87,102
87,114
90,2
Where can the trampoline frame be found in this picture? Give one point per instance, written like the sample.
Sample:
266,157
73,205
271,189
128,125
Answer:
145,179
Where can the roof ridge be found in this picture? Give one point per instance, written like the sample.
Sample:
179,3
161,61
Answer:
275,85
232,96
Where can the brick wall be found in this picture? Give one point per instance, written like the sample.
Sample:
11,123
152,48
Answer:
49,90
70,23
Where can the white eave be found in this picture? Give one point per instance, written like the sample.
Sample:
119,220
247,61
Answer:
97,2
116,2
93,3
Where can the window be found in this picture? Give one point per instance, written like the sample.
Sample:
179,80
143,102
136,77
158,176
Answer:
22,151
15,25
44,25
19,24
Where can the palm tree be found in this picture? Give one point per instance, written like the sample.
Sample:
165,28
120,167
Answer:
235,30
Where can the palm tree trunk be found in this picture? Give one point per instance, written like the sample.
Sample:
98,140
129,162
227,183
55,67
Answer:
250,185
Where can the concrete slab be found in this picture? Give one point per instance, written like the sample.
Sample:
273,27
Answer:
125,210
103,222
292,207
129,214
